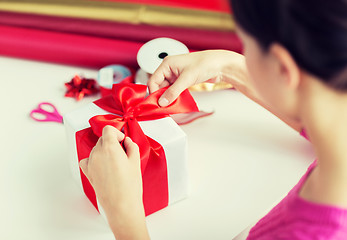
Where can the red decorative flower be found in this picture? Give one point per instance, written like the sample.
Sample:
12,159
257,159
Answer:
79,87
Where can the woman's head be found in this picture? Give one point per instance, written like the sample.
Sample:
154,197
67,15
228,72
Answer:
313,31
284,38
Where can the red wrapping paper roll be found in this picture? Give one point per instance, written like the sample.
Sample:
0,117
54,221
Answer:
68,49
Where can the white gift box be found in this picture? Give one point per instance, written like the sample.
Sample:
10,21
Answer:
165,131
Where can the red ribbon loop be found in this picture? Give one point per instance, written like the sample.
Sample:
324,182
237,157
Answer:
129,102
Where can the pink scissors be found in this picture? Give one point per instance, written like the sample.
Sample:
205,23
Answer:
46,112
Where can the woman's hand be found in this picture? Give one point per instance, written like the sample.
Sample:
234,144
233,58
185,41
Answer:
183,71
115,175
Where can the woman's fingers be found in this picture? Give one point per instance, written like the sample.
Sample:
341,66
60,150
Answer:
181,84
174,71
109,142
84,167
132,149
154,82
165,83
164,75
111,134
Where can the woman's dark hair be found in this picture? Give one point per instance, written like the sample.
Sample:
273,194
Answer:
313,31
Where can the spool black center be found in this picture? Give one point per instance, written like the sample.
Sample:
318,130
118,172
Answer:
162,55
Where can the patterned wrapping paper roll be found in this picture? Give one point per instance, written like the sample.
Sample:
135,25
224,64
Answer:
124,12
210,5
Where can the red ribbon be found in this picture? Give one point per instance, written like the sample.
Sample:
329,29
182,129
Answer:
128,105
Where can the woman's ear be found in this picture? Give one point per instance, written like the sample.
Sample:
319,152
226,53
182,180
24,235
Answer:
287,67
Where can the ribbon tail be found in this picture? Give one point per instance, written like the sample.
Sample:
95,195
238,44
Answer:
153,168
155,180
185,118
85,141
133,130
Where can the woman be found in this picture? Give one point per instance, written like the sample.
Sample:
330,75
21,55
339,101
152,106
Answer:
295,65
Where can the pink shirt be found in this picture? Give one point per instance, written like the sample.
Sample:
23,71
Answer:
295,218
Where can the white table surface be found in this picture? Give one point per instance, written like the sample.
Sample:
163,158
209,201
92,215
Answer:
242,160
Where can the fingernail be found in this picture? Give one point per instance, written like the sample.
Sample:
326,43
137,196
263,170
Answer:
163,102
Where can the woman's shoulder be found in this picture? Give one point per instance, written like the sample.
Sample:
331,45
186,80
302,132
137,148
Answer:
297,218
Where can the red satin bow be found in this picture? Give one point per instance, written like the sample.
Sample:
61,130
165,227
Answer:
128,105
79,87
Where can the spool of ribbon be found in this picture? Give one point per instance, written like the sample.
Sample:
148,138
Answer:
208,87
112,74
152,53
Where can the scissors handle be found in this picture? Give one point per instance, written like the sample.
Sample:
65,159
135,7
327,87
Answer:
51,108
44,115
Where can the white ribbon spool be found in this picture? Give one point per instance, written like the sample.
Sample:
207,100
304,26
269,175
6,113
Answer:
152,53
